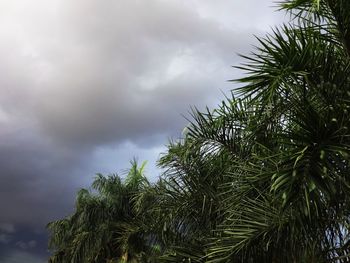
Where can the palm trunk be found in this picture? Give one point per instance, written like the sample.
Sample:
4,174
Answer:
125,257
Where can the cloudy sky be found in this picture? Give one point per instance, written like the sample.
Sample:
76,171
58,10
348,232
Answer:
86,85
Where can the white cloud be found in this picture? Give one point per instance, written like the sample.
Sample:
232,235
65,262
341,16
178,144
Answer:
87,71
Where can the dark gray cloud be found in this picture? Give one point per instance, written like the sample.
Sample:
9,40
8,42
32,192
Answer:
30,170
23,245
86,85
20,256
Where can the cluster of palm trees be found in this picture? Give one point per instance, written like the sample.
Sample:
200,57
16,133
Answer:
264,177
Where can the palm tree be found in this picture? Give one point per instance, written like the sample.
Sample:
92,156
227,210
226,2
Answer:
275,160
190,193
104,227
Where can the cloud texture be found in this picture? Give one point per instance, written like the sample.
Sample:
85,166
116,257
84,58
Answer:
86,85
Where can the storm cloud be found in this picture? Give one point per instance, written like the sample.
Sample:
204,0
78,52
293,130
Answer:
86,85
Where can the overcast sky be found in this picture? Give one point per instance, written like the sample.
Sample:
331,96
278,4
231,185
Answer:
86,85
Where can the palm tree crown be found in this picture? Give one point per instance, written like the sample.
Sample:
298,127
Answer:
104,226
